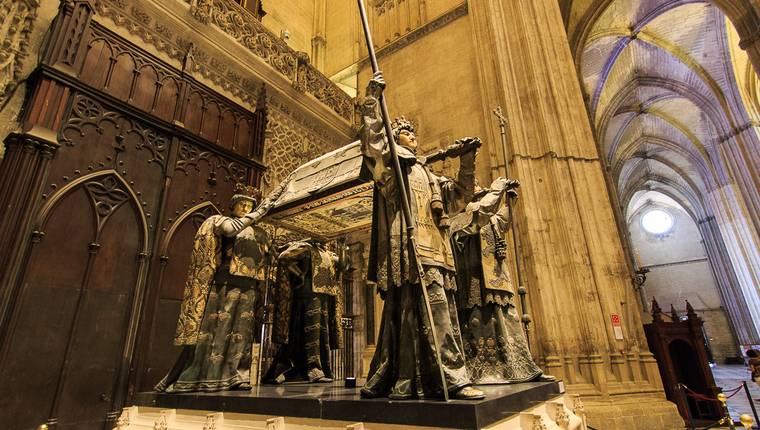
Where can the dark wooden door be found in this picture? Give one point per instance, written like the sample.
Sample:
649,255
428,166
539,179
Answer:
65,347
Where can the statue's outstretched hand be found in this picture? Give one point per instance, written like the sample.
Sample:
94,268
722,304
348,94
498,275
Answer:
466,148
469,143
506,186
280,188
269,202
376,85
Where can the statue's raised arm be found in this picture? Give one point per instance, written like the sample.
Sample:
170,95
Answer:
375,147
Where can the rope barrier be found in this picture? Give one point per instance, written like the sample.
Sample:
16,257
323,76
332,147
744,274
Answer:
725,395
691,393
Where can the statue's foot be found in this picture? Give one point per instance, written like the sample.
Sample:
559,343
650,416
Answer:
317,375
469,393
245,386
545,378
279,380
399,396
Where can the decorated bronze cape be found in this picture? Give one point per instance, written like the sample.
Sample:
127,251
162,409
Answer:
325,279
251,245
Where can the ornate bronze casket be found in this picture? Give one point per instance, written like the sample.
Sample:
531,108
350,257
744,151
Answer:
328,197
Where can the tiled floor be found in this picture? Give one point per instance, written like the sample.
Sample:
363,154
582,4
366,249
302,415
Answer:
731,376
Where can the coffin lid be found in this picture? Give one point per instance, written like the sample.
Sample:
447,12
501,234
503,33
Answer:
328,197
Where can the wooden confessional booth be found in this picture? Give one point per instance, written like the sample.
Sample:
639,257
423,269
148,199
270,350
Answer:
681,353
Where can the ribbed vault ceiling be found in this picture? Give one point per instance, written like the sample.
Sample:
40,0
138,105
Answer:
661,87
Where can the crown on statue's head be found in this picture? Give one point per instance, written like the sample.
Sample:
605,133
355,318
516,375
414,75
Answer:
245,192
401,123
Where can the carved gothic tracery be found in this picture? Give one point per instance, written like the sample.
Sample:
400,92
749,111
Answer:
290,145
189,157
235,21
106,195
87,113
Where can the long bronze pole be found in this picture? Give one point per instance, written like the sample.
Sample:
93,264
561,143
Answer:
406,211
521,290
266,314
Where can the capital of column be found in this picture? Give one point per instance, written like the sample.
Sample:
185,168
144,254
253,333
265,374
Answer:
750,39
31,143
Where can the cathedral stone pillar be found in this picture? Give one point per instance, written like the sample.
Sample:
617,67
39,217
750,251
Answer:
745,15
587,325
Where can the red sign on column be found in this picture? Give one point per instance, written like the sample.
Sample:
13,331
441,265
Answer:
617,326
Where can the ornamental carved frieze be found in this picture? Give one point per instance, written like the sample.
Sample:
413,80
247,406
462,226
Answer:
201,10
190,157
16,21
237,22
240,24
290,144
88,115
124,16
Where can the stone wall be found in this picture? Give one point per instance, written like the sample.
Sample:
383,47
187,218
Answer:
297,17
343,35
22,27
680,271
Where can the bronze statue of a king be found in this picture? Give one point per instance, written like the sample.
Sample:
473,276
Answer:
405,364
495,346
308,306
216,319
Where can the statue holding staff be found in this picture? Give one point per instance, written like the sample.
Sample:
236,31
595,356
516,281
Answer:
496,348
412,270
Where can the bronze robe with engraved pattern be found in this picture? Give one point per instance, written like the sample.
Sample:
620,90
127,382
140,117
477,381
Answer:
216,319
404,364
495,346
308,300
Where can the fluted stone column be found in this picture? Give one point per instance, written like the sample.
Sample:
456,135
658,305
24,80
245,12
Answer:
732,295
576,271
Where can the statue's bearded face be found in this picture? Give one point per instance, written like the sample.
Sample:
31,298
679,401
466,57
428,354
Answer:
242,207
407,139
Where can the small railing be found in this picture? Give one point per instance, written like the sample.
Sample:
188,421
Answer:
726,420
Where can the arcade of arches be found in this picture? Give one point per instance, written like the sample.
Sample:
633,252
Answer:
673,101
633,126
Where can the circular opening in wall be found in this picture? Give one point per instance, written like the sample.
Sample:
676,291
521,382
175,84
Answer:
657,221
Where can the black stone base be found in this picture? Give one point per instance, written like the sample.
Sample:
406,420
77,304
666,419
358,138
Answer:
334,402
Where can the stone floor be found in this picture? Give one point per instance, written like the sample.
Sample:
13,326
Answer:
731,376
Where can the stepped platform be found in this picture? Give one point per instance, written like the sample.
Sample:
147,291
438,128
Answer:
336,403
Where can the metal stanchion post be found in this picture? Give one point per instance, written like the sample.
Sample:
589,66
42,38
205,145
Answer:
686,405
727,420
751,403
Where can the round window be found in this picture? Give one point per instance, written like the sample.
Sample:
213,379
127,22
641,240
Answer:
657,221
